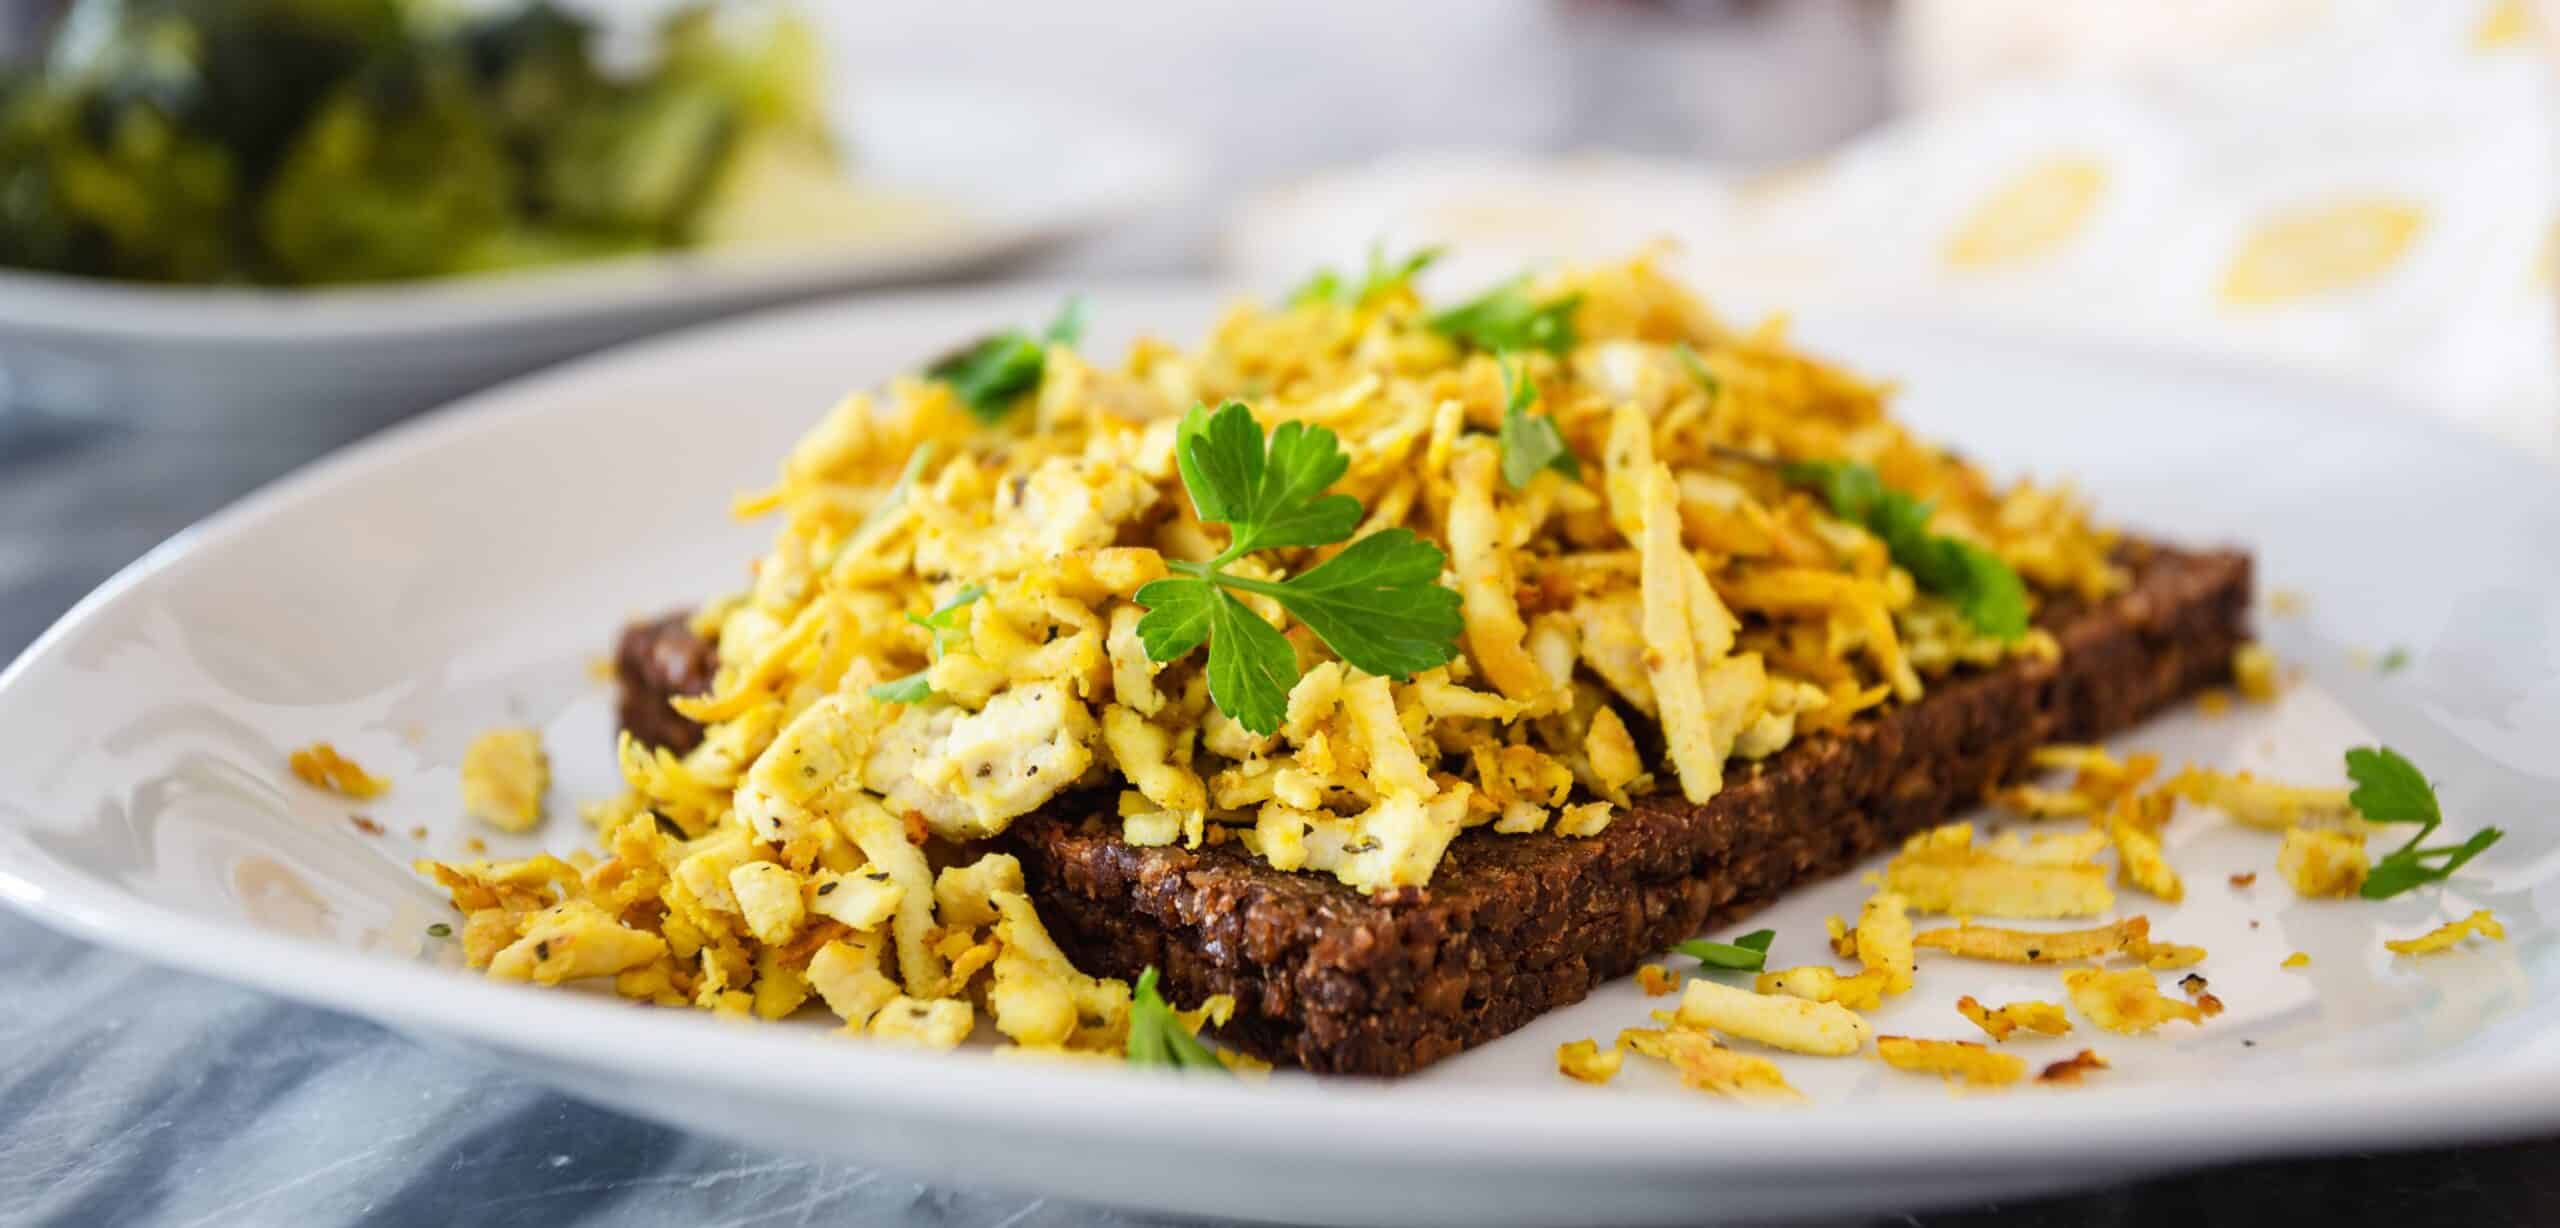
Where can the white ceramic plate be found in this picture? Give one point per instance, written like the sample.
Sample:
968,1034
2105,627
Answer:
465,570
996,172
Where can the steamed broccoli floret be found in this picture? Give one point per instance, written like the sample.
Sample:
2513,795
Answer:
397,172
348,140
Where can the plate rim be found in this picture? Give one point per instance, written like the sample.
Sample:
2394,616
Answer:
2460,1098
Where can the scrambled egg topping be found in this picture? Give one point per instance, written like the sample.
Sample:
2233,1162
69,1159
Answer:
944,637
1675,607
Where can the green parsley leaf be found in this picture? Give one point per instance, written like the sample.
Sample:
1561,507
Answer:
912,689
1381,277
991,375
1984,589
948,616
1506,318
1157,1037
1529,444
2408,868
1378,604
2389,788
439,930
1697,369
1267,496
1749,953
945,620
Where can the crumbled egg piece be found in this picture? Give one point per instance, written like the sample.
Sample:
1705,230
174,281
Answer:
2323,862
2126,999
1960,1060
2451,933
320,766
1587,1061
2001,1022
504,775
1797,1025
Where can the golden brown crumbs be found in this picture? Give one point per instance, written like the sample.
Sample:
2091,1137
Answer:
2073,1068
320,766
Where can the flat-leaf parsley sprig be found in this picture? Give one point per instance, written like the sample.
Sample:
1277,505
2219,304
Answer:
990,375
1505,318
1530,442
945,620
1749,953
1381,277
1983,588
1379,604
1156,1034
2390,789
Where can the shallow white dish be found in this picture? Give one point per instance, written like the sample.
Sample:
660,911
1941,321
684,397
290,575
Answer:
464,570
995,172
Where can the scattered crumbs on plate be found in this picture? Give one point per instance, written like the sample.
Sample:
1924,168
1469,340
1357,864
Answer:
2362,658
320,766
419,832
364,823
601,668
2253,923
2248,1044
475,844
2393,660
2298,959
2287,602
439,930
2244,879
2213,701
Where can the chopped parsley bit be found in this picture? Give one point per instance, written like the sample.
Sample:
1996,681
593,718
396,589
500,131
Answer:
439,930
1505,318
1157,1038
945,619
1327,285
1378,604
991,374
1981,586
2390,789
2394,659
1697,369
1529,444
1749,953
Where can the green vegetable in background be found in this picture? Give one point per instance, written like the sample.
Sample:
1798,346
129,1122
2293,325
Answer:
309,141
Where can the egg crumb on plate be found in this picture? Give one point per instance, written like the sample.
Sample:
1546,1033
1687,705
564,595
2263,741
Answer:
320,766
1960,1060
2450,934
504,776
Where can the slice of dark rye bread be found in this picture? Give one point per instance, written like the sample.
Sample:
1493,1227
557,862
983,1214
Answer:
1513,926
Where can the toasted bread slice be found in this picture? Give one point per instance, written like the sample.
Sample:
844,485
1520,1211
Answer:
1513,926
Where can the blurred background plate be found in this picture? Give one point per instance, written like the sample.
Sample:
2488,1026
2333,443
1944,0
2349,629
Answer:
976,173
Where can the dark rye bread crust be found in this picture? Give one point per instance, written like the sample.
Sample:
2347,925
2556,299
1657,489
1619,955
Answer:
1513,926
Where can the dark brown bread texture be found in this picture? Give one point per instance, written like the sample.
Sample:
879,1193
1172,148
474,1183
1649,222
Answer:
1513,926
656,661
